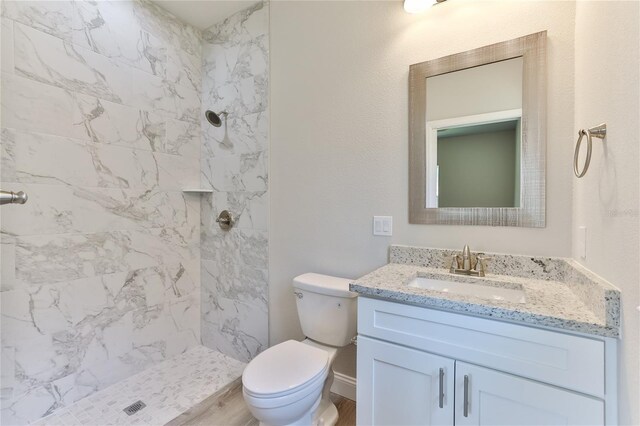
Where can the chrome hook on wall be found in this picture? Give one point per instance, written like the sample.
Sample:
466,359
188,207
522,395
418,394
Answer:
599,131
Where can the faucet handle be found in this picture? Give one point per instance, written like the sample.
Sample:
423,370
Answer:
481,264
454,263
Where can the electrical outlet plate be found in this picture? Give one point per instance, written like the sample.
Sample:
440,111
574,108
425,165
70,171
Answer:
581,245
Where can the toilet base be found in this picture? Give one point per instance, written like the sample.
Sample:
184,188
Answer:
327,414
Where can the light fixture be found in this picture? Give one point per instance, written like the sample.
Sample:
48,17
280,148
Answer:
417,6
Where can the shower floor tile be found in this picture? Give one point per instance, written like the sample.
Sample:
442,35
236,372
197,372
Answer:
168,389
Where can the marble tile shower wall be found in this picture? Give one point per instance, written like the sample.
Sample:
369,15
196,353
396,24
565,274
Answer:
100,126
234,164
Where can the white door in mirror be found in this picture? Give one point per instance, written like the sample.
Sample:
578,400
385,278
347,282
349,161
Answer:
383,225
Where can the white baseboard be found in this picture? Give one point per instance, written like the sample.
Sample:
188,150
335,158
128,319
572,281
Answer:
344,385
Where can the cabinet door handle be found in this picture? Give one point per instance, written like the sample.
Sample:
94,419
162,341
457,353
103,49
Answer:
441,394
465,403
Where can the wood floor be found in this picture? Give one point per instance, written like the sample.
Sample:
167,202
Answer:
346,410
227,408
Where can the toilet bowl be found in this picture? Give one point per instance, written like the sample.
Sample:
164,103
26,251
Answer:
289,383
284,383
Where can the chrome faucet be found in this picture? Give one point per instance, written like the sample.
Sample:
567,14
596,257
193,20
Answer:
466,263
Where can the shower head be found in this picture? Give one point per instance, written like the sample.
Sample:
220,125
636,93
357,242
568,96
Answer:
214,118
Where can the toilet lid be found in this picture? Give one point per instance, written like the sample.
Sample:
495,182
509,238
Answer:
283,368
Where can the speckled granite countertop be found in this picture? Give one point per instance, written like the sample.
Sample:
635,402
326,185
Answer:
559,293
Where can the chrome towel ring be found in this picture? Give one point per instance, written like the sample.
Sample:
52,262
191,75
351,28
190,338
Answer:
599,131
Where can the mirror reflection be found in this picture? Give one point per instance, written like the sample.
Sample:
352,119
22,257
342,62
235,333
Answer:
474,135
479,165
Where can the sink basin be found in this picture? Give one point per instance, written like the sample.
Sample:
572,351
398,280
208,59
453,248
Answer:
466,289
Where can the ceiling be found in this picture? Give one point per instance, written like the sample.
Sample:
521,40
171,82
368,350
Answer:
203,13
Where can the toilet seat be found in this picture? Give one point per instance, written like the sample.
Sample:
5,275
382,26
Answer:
288,368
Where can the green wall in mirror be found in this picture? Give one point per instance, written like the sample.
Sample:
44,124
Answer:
479,166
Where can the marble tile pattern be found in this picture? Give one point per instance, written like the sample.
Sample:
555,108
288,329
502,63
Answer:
101,268
234,164
558,292
168,389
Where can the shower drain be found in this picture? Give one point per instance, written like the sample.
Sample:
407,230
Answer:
134,408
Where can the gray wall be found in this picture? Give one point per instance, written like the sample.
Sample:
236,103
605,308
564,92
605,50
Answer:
101,268
607,199
234,164
339,138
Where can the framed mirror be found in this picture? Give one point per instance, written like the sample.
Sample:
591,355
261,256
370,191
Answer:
477,136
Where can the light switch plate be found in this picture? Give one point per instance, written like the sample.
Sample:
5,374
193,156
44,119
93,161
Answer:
383,225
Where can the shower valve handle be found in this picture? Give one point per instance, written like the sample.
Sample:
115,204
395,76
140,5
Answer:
225,220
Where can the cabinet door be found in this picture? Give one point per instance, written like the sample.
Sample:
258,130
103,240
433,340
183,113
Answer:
500,399
402,386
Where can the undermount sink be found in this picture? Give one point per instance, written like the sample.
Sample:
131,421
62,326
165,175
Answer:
467,289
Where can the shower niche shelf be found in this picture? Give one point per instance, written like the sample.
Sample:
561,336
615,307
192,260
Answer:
197,191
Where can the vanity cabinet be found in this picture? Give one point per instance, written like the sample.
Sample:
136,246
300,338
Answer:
495,398
395,378
418,366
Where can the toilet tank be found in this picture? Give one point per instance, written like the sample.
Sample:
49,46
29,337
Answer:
326,308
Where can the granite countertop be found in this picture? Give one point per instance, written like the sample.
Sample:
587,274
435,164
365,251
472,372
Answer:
559,293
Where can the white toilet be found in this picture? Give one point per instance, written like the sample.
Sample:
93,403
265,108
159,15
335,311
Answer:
289,383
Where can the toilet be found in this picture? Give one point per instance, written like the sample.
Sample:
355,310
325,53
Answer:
289,383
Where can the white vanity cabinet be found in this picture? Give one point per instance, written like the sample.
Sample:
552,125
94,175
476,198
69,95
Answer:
495,398
418,366
403,386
